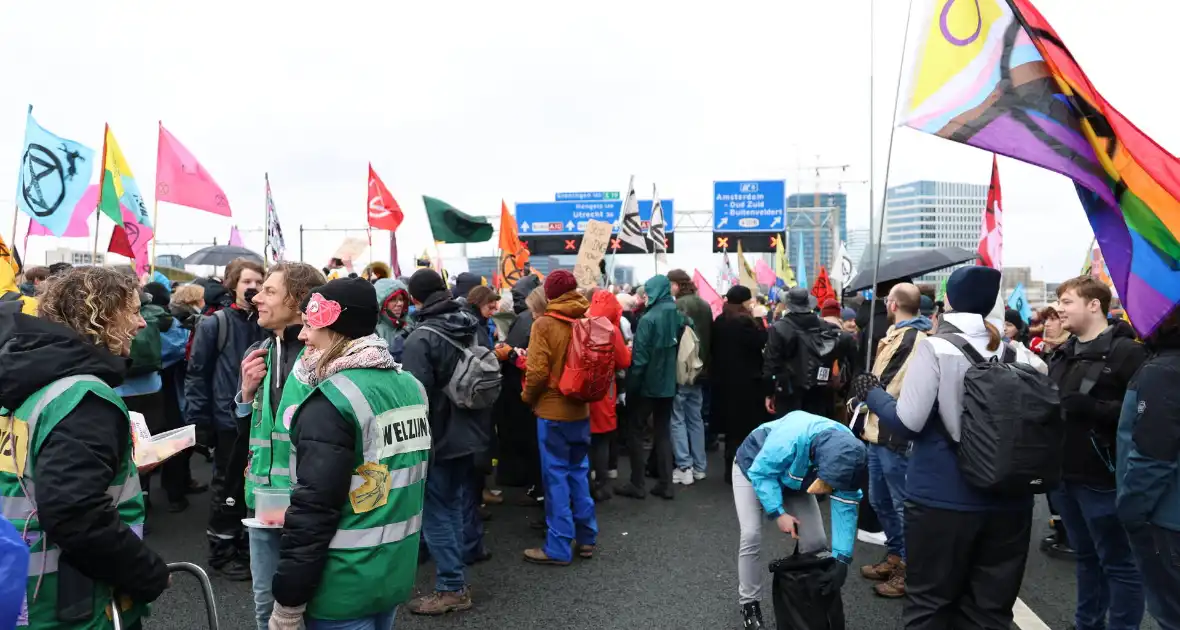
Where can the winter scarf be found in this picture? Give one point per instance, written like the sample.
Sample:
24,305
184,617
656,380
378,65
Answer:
369,351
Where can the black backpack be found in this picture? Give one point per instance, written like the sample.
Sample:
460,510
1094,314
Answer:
814,361
1012,428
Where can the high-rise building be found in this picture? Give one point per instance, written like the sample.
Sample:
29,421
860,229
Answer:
858,245
928,214
822,220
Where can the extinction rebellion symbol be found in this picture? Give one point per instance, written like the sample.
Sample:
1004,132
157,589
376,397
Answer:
43,180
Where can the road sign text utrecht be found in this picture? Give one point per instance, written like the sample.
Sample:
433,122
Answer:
749,206
571,217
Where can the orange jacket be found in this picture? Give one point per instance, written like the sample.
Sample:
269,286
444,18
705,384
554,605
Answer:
548,342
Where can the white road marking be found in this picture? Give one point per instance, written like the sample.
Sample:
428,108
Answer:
1025,618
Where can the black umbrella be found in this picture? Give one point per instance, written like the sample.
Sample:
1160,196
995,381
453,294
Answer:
909,265
220,255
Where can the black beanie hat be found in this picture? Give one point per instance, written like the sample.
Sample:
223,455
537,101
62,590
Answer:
1012,316
347,306
973,290
424,283
738,294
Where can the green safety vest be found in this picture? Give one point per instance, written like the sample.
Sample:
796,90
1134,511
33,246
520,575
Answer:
270,437
22,435
373,557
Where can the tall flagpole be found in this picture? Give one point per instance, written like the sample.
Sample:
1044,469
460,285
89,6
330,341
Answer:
155,207
266,224
888,163
102,178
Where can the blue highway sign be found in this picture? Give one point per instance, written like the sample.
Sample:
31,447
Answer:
749,206
570,217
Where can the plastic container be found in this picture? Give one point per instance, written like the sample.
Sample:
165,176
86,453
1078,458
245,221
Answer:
270,505
157,448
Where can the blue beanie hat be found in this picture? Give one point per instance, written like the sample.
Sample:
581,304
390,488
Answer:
973,290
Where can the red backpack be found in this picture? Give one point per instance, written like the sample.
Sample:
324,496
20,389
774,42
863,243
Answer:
589,360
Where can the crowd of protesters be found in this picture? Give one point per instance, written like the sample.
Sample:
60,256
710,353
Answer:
395,405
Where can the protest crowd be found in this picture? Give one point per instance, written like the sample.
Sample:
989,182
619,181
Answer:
357,427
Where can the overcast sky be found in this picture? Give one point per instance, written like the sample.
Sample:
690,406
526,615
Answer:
473,102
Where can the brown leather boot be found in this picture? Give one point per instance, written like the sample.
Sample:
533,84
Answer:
883,570
895,586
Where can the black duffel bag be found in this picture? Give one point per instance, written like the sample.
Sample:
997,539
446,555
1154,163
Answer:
806,591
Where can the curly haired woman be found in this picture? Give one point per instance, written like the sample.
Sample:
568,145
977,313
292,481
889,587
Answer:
86,536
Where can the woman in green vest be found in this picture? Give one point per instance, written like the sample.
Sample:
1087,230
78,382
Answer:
361,443
67,476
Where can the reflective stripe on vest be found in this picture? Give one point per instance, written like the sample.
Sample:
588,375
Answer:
21,508
46,562
375,536
360,407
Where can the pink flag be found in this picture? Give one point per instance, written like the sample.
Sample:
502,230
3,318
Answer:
180,179
708,293
764,274
132,240
235,237
79,221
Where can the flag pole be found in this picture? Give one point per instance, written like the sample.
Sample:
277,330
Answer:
266,225
888,163
102,178
155,226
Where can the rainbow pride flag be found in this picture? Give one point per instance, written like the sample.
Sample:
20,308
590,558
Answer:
993,74
118,185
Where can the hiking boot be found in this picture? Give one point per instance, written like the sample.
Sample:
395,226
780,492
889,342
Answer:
752,616
630,491
235,571
441,603
883,570
895,586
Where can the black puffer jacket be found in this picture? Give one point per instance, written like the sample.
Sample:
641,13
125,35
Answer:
326,442
1091,421
214,374
78,458
455,432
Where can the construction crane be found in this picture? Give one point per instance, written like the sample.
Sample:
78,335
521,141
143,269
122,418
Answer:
818,219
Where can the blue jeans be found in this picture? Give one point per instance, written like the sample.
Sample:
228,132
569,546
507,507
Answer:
1107,576
688,428
444,521
264,563
565,467
1158,552
887,495
383,621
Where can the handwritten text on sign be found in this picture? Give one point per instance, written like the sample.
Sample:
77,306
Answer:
594,243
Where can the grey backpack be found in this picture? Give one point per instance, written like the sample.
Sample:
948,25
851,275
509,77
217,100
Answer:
475,383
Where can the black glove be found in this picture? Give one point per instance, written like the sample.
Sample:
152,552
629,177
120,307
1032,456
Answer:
862,384
1076,406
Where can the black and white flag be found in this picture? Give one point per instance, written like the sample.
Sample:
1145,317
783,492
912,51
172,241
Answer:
631,229
655,233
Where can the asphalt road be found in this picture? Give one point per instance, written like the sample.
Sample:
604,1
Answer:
660,564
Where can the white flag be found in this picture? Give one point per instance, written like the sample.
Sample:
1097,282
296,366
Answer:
845,269
655,231
631,231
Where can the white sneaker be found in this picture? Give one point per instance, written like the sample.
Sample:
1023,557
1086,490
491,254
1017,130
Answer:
877,538
612,474
698,475
682,477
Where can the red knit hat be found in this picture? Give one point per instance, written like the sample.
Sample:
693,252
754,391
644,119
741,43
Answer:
831,308
559,283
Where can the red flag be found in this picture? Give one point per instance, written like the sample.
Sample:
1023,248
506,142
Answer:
384,213
822,289
990,233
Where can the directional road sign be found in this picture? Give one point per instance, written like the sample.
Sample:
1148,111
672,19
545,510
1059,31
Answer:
749,206
570,217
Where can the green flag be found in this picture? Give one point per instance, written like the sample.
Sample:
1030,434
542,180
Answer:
451,225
